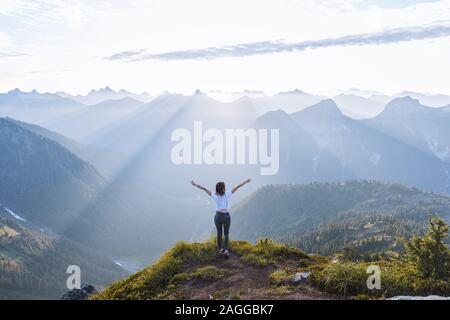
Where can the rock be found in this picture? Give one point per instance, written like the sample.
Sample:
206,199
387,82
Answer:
300,277
76,294
419,298
89,288
83,293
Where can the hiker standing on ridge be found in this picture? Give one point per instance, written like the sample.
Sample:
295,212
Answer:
222,218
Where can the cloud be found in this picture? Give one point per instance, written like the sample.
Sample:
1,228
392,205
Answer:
431,31
73,13
5,40
5,54
391,4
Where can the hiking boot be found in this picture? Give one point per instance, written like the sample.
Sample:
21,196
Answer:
226,253
221,251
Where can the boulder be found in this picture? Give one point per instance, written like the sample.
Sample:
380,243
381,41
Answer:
300,277
83,293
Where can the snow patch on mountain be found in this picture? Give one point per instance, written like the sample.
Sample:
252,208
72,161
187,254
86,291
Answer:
130,265
441,153
315,161
375,158
322,141
15,215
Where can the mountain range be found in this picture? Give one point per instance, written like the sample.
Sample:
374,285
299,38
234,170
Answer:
326,217
101,176
421,127
35,107
354,103
130,142
104,94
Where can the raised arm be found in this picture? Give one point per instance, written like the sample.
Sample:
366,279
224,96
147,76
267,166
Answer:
201,188
240,185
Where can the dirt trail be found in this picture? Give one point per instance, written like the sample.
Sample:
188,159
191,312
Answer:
244,281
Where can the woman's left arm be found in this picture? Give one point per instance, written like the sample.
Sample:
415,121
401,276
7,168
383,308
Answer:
240,185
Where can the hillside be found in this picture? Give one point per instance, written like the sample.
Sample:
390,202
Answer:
326,217
33,263
196,271
42,180
71,145
268,270
53,188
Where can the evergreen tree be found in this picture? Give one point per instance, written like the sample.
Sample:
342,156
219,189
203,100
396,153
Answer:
430,254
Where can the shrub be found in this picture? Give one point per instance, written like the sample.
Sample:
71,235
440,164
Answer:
345,279
203,273
430,254
281,277
425,270
266,252
226,294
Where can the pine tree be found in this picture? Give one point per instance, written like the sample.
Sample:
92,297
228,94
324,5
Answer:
430,254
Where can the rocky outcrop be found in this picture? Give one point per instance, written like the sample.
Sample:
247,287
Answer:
83,293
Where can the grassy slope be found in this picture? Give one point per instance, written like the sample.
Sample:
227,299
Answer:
262,271
196,271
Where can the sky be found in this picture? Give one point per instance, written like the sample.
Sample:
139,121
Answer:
317,46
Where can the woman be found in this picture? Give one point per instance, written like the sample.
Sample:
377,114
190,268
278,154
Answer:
222,218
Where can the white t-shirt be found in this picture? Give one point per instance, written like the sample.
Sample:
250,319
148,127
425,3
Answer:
222,202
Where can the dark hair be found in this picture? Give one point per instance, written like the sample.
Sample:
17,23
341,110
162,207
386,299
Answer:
220,188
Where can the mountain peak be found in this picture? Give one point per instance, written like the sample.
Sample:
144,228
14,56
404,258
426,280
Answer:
405,99
295,91
101,90
276,119
406,103
408,93
324,108
198,92
15,91
247,91
108,89
275,115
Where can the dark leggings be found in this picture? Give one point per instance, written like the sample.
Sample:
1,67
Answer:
222,221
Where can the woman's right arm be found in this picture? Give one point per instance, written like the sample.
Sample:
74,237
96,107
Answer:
201,188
